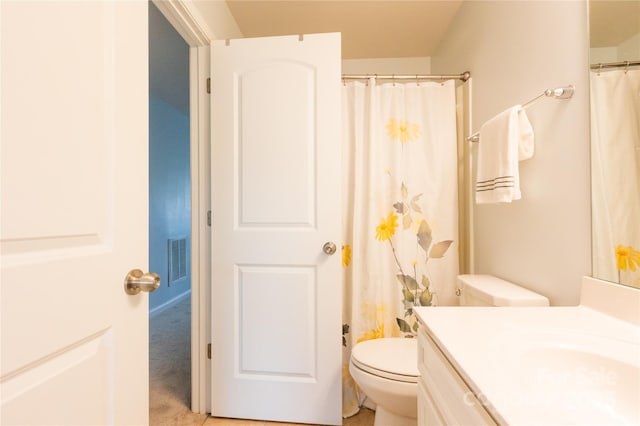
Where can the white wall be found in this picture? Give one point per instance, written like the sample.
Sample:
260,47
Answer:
515,50
603,55
217,19
416,65
629,50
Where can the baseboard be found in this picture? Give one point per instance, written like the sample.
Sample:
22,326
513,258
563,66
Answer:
169,303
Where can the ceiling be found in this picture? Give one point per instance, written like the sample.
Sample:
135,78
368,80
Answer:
370,29
399,28
612,22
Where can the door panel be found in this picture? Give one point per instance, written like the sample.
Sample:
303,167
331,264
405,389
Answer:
263,331
74,96
276,297
86,366
285,195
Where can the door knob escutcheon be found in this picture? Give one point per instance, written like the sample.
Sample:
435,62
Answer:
137,281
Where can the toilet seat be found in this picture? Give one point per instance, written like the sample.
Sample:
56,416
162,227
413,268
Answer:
389,358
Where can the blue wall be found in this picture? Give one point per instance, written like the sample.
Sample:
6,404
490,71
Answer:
169,163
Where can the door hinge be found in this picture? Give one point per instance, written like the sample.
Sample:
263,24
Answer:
209,85
209,350
209,217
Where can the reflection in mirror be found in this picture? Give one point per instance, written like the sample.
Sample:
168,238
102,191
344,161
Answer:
615,139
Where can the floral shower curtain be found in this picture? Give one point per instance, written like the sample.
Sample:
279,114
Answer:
615,169
401,217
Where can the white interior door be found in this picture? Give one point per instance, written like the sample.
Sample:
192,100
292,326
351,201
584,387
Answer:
74,166
276,296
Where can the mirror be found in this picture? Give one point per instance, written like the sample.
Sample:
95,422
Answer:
614,30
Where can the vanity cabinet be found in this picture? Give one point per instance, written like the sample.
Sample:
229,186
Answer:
443,396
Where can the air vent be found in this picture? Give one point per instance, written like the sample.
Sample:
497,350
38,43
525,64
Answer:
177,259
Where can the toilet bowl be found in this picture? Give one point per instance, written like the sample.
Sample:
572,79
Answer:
387,369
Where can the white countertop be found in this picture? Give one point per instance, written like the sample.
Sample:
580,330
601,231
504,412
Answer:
543,365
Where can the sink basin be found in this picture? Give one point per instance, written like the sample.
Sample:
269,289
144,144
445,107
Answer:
573,365
573,377
583,387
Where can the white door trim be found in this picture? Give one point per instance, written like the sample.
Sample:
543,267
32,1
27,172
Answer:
186,19
200,235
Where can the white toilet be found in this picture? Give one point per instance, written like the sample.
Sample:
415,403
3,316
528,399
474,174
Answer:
386,369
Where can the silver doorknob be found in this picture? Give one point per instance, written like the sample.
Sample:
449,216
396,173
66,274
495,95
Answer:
329,248
137,281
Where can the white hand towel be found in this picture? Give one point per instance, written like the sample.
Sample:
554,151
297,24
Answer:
504,140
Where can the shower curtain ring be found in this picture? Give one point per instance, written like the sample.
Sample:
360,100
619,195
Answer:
626,68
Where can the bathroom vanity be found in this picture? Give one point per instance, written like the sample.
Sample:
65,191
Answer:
532,365
444,398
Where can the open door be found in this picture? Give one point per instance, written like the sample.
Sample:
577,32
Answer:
276,293
74,221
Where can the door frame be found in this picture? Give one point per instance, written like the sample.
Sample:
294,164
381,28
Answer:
189,23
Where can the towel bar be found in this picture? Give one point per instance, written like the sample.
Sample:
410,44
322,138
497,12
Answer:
557,93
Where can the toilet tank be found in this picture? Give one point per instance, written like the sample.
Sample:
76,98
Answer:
487,290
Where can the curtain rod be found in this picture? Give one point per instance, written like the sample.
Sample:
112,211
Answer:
615,65
557,93
415,77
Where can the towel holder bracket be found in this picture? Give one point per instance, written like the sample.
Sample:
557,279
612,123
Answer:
561,92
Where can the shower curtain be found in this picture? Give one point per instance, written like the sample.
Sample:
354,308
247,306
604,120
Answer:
615,168
400,224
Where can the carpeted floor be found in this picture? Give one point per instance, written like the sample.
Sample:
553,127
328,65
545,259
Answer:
170,368
170,375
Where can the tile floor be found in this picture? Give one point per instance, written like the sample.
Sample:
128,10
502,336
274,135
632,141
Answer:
363,418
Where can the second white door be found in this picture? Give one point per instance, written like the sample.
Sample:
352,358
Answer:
276,293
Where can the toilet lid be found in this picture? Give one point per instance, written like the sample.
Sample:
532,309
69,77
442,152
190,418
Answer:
392,358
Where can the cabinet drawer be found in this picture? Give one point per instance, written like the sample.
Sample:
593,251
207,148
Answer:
454,400
428,414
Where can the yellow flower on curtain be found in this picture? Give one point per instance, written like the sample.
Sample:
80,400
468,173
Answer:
627,258
415,283
387,227
402,130
346,255
374,333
